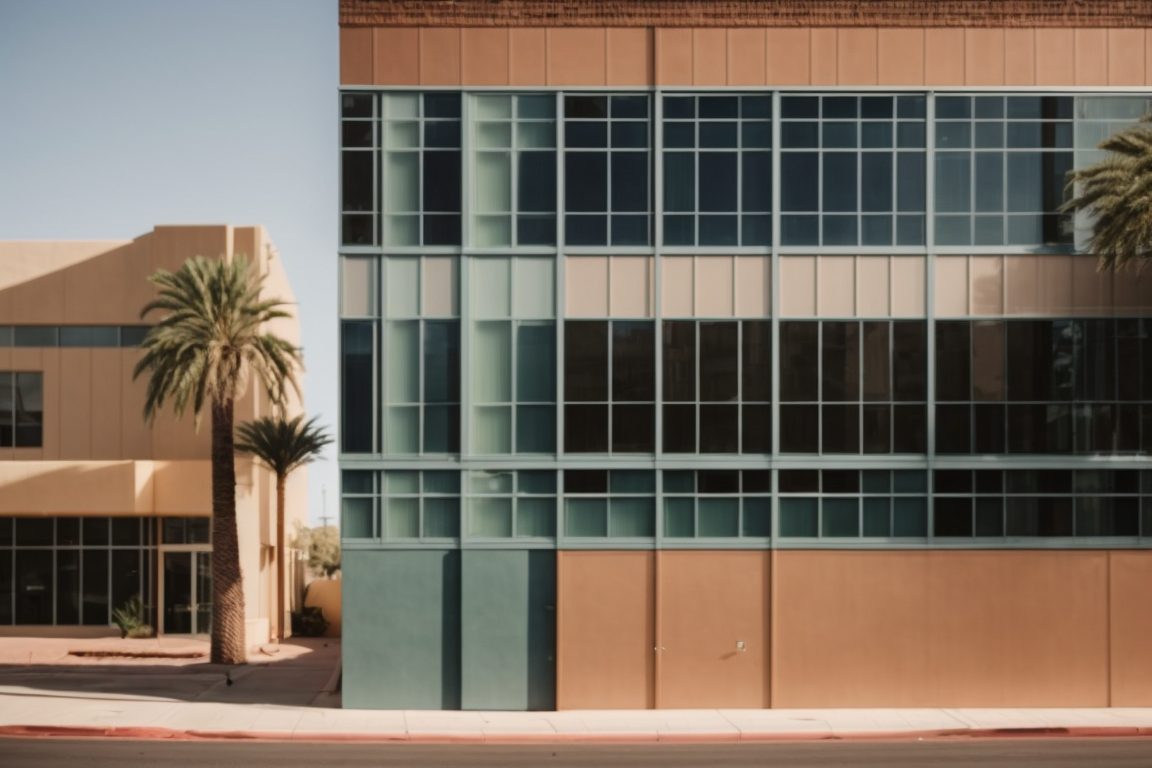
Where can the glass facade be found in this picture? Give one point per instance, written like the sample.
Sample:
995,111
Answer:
552,336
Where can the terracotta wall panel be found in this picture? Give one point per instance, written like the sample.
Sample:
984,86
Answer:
822,56
1130,574
528,56
709,56
836,286
900,56
951,286
944,56
630,56
712,629
872,286
397,56
440,56
849,629
1055,57
1091,57
1126,54
984,57
356,55
576,56
797,286
1018,629
856,60
1019,57
788,56
484,56
674,56
604,630
746,57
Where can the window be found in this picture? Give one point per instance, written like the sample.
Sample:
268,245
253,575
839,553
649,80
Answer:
618,504
606,170
717,386
514,178
21,410
718,503
1001,166
512,504
359,162
852,170
609,386
717,170
852,387
853,504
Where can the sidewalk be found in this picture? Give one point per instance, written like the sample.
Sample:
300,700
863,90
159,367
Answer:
289,696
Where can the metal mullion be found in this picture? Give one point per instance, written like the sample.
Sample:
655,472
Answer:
930,311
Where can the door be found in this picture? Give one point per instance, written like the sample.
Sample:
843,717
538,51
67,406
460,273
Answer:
187,590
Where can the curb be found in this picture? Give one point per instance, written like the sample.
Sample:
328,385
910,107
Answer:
172,734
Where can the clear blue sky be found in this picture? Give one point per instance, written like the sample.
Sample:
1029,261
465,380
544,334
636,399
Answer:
117,115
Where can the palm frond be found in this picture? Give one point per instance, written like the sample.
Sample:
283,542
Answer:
282,444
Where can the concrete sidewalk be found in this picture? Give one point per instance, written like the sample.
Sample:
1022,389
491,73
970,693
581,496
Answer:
289,696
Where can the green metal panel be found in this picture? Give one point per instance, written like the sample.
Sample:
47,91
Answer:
508,629
401,641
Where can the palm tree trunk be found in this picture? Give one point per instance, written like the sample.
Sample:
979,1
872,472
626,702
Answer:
280,557
228,641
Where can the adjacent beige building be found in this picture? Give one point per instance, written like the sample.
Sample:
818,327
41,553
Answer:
96,505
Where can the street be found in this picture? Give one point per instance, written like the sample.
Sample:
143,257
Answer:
988,753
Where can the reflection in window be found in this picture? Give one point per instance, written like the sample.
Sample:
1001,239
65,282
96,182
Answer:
710,504
851,504
616,504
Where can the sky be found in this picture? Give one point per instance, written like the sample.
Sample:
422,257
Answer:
119,115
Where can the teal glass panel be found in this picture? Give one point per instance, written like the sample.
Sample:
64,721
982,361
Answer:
403,519
402,430
491,482
877,481
798,518
631,481
909,481
402,284
441,482
529,481
877,517
989,517
491,372
441,428
441,518
719,517
757,519
536,107
536,362
396,482
492,429
586,517
534,286
402,362
909,517
535,517
679,481
630,518
359,481
841,518
679,518
535,429
491,286
490,518
357,519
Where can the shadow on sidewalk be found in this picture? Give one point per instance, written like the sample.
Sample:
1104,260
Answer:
300,678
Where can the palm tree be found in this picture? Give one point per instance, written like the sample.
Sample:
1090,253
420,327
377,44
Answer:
282,445
1117,194
203,352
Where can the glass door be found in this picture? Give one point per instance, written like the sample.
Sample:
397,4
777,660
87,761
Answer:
187,593
203,615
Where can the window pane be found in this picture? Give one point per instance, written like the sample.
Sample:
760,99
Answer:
633,361
586,361
719,517
631,518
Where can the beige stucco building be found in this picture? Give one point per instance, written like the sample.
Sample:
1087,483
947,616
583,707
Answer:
96,505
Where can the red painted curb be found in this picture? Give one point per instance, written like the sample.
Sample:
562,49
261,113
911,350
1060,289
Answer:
156,734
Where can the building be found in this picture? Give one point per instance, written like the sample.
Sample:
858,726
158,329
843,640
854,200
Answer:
726,354
96,505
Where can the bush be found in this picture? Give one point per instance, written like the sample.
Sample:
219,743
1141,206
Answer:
309,621
132,619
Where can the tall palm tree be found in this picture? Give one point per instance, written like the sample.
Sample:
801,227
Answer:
1117,193
203,352
282,445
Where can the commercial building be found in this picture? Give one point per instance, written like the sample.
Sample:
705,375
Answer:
725,354
96,505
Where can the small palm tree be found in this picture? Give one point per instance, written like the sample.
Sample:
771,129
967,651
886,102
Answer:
1117,194
202,353
281,445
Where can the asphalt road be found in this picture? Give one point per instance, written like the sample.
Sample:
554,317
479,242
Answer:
992,753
